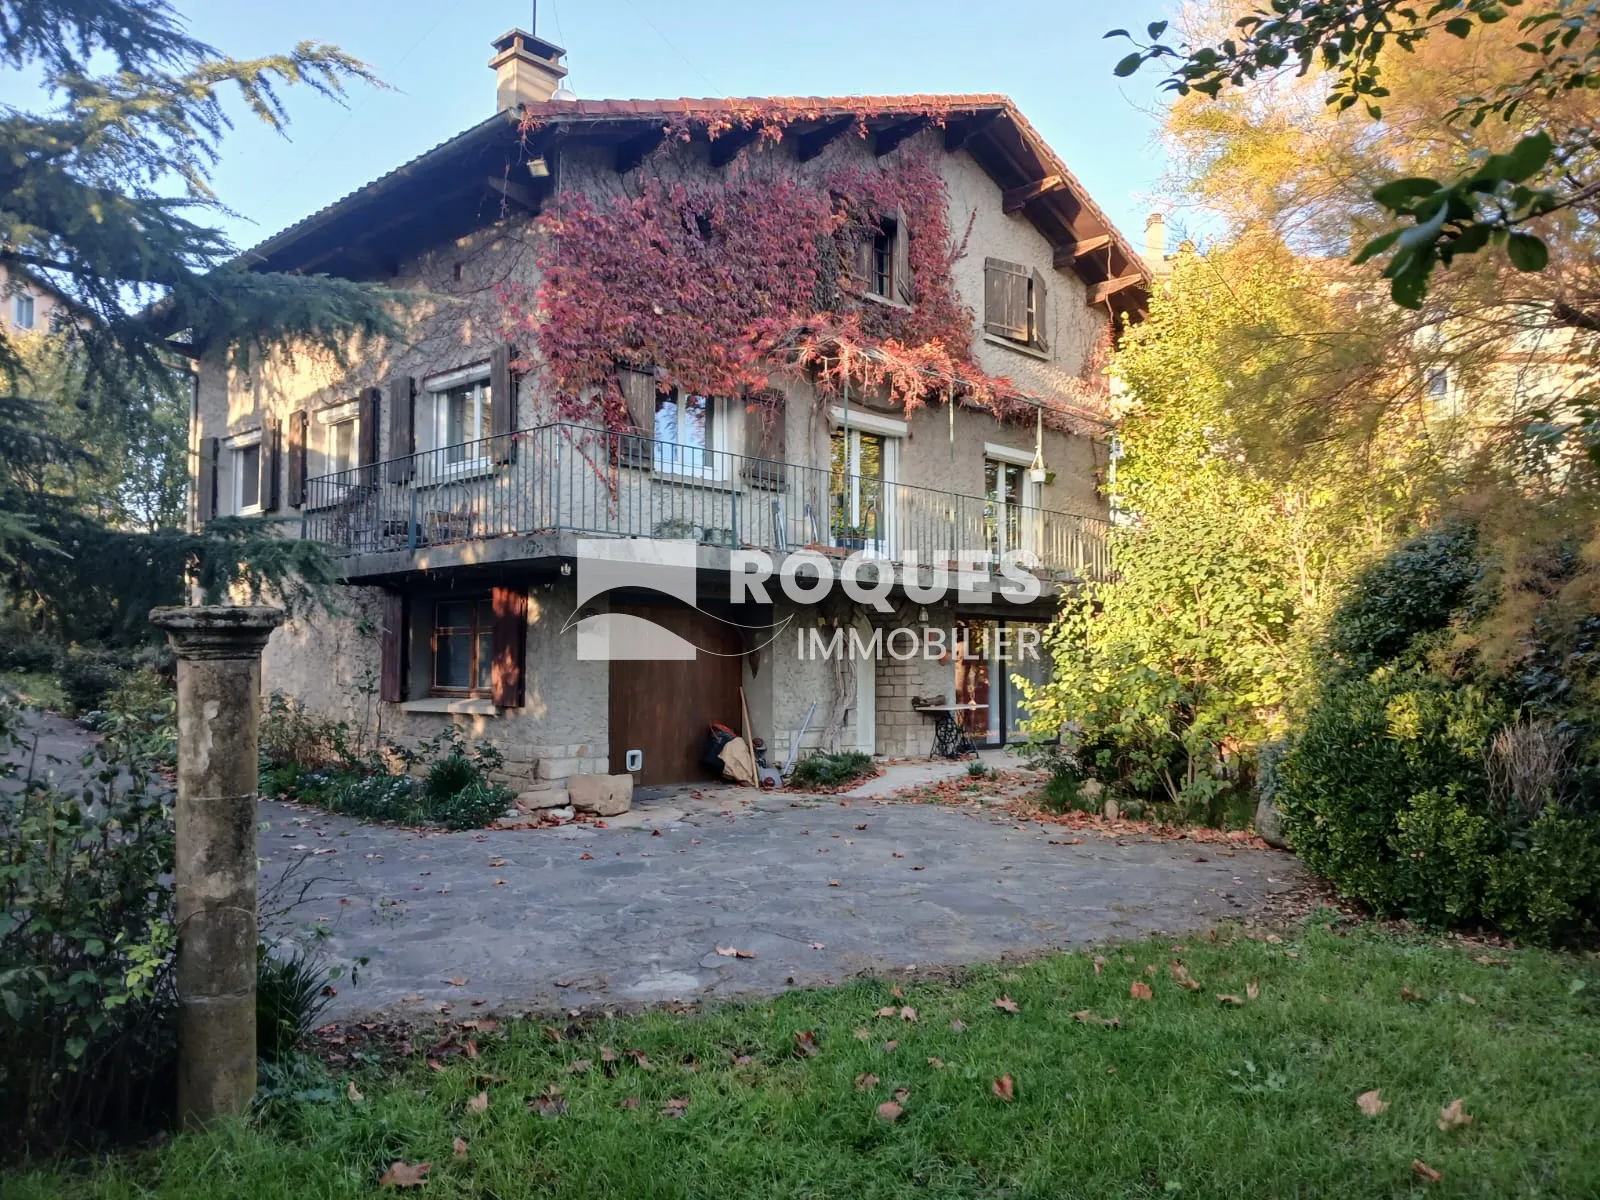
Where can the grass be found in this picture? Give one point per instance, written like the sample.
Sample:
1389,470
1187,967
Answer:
1188,1097
39,688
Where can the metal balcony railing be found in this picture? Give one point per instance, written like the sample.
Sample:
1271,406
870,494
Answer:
573,478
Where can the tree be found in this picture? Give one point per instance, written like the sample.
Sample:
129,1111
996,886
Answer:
1498,195
105,204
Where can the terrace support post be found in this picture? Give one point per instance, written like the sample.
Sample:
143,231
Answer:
219,710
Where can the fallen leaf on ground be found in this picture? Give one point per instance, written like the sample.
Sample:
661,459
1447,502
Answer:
907,1013
639,1058
585,857
578,1066
1407,994
1451,1117
1252,990
730,952
863,1034
471,1048
1140,990
460,1147
936,1062
402,1175
1004,1088
1485,960
890,1047
805,1044
888,1010
549,1103
355,1096
675,1107
1229,998
958,1026
630,1102
551,1033
1424,1172
1099,963
889,1110
1006,1004
1466,999
833,883
866,1081
479,1102
1371,1103
456,981
897,993
1180,973
902,1094
818,946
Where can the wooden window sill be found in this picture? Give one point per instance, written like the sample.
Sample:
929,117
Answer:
1019,347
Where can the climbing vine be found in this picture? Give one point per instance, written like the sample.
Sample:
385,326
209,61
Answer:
717,283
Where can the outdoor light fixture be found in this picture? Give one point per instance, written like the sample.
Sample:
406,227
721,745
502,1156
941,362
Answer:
538,168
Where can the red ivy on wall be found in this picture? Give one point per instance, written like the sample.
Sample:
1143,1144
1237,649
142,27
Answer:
718,283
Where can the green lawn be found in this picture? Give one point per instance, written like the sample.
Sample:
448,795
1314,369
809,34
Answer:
1190,1096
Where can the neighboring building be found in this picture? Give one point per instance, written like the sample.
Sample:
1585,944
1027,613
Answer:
26,307
444,472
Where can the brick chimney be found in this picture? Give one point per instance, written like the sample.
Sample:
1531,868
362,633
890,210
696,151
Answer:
527,70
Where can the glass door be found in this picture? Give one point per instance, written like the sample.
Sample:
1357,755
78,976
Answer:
857,491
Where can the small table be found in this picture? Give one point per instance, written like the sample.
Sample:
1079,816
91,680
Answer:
949,739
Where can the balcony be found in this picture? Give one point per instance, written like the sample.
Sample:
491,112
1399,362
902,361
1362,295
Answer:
573,479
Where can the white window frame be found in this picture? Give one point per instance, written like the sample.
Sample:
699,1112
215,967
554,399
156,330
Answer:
1027,531
438,388
892,431
327,419
18,302
715,467
235,446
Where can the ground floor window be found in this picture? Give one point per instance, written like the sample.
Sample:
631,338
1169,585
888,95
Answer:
996,653
247,479
463,647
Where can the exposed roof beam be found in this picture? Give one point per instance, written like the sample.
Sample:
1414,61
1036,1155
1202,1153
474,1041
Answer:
518,193
727,146
638,148
1101,292
1069,254
887,139
958,133
1014,198
814,143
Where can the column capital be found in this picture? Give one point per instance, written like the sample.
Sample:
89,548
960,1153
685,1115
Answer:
218,631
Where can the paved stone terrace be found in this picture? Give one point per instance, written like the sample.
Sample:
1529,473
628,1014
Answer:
820,888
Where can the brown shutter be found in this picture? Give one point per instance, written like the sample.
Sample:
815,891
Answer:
392,638
1005,299
863,258
1039,313
267,463
510,633
502,403
639,394
766,415
402,430
902,256
367,452
206,484
297,458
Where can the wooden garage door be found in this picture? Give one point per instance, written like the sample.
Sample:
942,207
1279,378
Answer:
665,708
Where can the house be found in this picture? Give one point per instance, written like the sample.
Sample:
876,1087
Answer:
863,329
28,305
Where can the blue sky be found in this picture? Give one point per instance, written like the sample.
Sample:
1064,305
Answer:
1048,55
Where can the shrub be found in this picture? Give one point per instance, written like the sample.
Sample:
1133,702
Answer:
379,797
457,791
88,677
292,737
31,654
292,993
831,770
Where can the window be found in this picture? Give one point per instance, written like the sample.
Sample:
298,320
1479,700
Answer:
1014,303
880,280
856,491
683,429
883,259
1438,385
247,478
22,310
341,445
461,421
1011,501
463,647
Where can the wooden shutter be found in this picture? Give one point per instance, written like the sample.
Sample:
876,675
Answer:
267,463
862,258
1005,299
297,458
402,427
367,452
639,394
1039,312
766,415
502,403
510,633
205,487
392,657
902,257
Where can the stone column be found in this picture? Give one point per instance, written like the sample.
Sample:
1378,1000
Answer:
219,710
